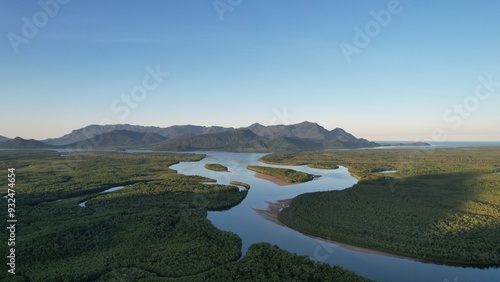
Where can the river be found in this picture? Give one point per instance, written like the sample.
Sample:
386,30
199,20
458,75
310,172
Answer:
252,227
110,190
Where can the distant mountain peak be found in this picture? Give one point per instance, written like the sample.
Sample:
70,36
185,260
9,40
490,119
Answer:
256,124
308,123
20,143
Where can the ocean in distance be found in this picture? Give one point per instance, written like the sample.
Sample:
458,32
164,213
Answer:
436,145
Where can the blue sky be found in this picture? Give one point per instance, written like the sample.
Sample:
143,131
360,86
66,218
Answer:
425,71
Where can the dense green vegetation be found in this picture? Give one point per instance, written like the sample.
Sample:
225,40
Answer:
285,174
215,167
153,229
264,262
238,183
323,166
441,205
295,160
47,176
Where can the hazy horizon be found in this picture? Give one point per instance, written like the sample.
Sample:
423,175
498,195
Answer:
381,70
396,138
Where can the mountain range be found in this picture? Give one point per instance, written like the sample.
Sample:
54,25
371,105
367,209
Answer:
168,132
20,143
256,137
119,138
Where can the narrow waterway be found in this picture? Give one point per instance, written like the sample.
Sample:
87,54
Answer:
110,190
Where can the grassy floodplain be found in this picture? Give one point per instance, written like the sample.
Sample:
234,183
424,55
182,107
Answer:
216,167
153,229
285,174
441,205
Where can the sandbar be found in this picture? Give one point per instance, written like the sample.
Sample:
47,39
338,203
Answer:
273,179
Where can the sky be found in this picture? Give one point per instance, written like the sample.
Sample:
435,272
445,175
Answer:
381,70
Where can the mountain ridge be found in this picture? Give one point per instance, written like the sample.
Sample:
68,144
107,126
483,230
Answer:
93,130
119,138
21,143
256,137
241,139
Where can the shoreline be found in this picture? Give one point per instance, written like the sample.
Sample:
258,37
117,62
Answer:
274,208
271,213
273,179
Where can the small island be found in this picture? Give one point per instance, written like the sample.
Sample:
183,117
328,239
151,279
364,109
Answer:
287,175
399,144
242,184
216,167
323,166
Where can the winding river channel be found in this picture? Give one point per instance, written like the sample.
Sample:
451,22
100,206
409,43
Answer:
246,220
110,190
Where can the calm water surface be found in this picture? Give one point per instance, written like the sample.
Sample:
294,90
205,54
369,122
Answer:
252,227
110,190
439,145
